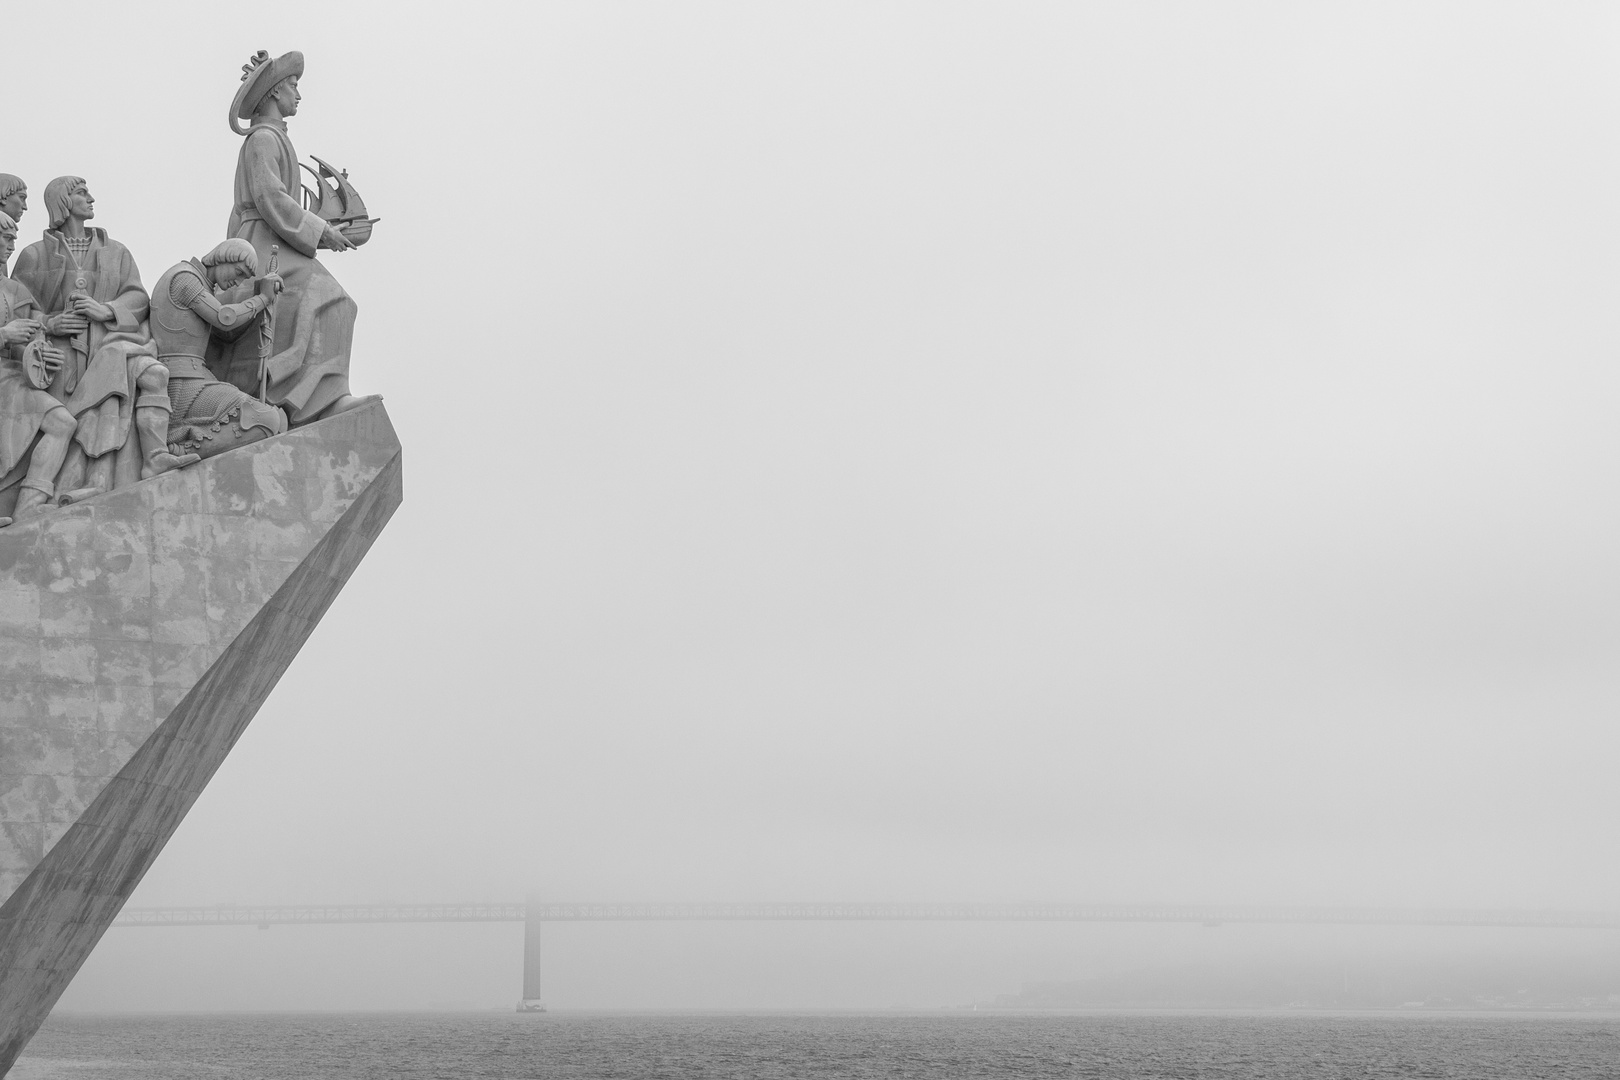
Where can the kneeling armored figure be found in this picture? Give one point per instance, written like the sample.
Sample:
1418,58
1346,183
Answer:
192,305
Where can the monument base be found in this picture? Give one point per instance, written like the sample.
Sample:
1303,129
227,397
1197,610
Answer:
140,631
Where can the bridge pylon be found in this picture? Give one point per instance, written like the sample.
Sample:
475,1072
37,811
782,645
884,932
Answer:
531,1002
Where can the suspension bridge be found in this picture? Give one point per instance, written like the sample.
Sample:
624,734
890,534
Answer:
535,913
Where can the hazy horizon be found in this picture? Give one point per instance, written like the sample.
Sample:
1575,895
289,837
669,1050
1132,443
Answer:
913,451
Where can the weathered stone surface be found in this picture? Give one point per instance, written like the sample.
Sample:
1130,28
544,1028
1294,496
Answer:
139,633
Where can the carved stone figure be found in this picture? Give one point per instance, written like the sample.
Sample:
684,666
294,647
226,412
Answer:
13,197
308,368
110,380
194,304
141,632
27,409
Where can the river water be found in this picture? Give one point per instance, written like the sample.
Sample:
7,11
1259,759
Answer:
972,1046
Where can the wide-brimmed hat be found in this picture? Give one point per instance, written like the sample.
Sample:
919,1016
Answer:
260,76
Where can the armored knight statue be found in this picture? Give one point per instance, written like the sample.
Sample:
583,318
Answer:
307,371
95,313
27,409
194,304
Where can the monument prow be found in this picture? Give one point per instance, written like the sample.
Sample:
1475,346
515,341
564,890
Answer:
140,631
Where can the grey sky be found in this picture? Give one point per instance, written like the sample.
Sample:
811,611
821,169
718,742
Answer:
991,451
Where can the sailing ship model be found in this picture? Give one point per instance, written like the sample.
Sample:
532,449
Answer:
336,201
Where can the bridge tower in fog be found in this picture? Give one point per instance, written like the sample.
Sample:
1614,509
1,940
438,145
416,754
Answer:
531,959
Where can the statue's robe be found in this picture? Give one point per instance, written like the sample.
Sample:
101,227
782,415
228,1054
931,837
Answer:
97,382
22,405
314,320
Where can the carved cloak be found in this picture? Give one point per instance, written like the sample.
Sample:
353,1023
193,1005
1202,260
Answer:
309,362
97,383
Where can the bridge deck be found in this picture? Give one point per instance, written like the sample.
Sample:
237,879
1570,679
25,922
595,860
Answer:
858,912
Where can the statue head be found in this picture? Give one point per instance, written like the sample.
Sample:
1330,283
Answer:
231,262
67,196
284,96
8,237
269,88
13,196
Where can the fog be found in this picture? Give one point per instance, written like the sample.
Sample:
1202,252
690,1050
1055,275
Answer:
1109,452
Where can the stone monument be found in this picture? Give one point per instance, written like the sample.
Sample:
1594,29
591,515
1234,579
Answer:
192,483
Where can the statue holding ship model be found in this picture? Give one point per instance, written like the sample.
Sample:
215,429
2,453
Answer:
307,371
102,385
230,484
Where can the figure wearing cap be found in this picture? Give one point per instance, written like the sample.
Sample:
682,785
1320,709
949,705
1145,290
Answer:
308,368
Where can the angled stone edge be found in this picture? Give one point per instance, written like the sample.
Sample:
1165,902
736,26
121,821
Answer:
55,917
